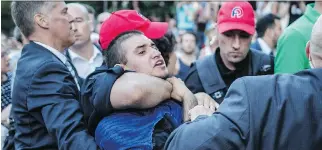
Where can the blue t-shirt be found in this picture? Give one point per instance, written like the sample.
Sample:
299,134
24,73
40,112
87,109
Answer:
123,129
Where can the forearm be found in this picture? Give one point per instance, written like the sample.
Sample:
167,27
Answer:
137,90
189,102
153,91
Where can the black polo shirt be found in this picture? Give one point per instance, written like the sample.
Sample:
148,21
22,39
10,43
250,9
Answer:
229,76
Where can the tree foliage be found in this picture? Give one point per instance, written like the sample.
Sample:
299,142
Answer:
159,9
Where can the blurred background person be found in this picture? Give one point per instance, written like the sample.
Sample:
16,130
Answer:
84,55
185,12
100,19
91,14
268,30
290,57
211,43
187,54
6,78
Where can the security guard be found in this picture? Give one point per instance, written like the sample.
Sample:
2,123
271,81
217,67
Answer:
233,58
277,112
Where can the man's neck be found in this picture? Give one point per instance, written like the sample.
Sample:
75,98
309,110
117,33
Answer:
318,6
86,50
48,40
269,42
188,58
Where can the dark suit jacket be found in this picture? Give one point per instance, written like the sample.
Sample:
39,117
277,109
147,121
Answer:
256,46
264,112
45,104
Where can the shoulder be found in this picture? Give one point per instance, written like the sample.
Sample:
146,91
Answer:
34,56
50,67
300,30
193,72
258,57
102,77
282,85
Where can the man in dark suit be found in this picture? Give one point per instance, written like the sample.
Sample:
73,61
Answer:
268,30
46,92
264,112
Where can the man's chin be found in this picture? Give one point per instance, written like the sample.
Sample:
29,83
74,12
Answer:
236,60
163,75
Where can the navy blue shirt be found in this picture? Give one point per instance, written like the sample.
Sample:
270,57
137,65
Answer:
130,128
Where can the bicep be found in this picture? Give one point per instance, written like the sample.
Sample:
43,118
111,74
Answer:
122,92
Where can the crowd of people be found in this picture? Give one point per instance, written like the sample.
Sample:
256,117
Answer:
220,75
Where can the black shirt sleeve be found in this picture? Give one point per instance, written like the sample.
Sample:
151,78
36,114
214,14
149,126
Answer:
95,95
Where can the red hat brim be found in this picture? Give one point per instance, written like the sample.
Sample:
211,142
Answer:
156,30
223,27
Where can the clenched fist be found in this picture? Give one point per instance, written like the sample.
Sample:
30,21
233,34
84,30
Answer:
179,89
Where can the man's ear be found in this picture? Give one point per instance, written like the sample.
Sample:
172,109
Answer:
307,50
41,21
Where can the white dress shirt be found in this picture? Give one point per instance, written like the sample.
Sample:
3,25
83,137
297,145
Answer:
60,55
83,66
265,48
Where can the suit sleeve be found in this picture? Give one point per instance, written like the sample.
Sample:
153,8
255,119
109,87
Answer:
226,129
53,93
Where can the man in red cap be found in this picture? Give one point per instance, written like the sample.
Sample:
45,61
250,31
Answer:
272,112
133,109
233,58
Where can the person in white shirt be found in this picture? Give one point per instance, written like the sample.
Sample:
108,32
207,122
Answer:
84,55
268,30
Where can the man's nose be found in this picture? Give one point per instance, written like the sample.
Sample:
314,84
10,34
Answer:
156,53
73,26
236,42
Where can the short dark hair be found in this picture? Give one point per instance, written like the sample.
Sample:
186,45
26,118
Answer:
267,21
114,53
23,13
166,45
191,33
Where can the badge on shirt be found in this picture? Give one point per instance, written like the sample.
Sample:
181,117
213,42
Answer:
218,95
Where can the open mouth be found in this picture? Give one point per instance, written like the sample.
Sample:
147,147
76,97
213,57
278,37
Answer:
159,63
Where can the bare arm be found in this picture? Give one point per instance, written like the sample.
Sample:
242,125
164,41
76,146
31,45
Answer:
138,90
182,93
189,102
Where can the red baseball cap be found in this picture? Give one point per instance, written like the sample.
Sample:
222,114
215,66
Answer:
236,16
127,20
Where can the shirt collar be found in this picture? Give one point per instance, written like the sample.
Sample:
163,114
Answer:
224,70
265,48
60,55
74,55
311,13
